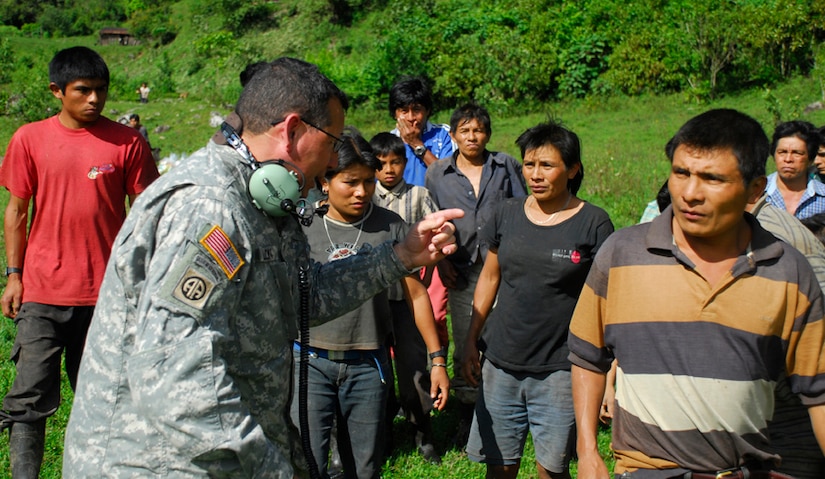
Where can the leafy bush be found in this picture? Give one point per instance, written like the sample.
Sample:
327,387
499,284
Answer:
6,60
153,25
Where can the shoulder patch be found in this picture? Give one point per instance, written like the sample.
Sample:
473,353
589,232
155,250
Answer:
221,248
193,288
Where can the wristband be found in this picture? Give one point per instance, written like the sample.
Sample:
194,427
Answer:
441,353
438,365
10,270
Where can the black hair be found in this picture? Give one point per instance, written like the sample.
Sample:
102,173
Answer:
803,130
410,91
284,86
470,111
77,63
385,143
134,116
816,224
250,71
722,129
355,150
663,197
565,141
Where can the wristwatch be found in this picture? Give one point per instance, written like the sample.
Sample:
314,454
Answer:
441,353
420,151
10,270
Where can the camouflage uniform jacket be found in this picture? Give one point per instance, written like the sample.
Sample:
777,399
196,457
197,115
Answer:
187,368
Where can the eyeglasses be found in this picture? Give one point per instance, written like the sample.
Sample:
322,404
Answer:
339,142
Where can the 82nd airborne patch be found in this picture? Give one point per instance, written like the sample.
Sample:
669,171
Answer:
193,288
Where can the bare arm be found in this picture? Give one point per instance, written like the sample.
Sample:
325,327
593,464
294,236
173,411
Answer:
14,227
422,311
606,413
429,158
588,390
483,298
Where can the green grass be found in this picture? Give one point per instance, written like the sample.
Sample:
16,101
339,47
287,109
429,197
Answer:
623,142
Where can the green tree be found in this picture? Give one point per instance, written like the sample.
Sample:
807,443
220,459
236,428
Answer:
711,29
17,13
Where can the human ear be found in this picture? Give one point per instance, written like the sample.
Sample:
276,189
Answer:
756,188
55,90
573,171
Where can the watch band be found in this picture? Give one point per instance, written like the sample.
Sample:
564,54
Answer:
11,270
420,151
441,353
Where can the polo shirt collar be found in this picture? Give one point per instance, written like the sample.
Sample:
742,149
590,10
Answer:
763,246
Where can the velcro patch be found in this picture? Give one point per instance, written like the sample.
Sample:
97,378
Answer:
193,288
221,248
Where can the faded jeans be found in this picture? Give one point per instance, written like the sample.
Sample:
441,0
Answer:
355,388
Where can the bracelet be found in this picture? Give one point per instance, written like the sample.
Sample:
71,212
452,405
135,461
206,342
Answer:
440,365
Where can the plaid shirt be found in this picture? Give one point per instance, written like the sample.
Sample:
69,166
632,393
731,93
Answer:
410,202
812,202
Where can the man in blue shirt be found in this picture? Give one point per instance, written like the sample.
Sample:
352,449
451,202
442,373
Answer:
411,104
794,146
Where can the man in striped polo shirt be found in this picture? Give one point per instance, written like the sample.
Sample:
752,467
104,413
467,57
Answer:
704,311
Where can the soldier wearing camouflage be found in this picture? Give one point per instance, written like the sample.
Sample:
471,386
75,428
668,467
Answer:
188,366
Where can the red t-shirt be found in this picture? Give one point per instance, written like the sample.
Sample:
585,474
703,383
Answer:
79,180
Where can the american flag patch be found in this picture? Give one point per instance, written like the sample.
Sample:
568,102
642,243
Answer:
224,252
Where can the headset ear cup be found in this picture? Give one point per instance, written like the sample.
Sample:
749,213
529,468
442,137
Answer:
270,185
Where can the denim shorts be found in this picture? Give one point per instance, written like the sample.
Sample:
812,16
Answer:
511,404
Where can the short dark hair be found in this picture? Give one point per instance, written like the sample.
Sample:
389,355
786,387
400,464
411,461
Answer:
471,111
410,91
726,128
134,116
355,150
250,71
663,198
803,130
77,63
284,86
553,133
385,143
816,224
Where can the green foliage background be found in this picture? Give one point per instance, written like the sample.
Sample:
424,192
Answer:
506,55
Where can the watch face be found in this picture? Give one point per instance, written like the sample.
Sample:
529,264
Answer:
420,150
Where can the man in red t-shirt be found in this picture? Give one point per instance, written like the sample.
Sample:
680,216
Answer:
78,167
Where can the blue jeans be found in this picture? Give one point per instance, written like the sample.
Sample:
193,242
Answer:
510,404
355,388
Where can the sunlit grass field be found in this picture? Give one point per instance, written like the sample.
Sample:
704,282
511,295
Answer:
623,153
